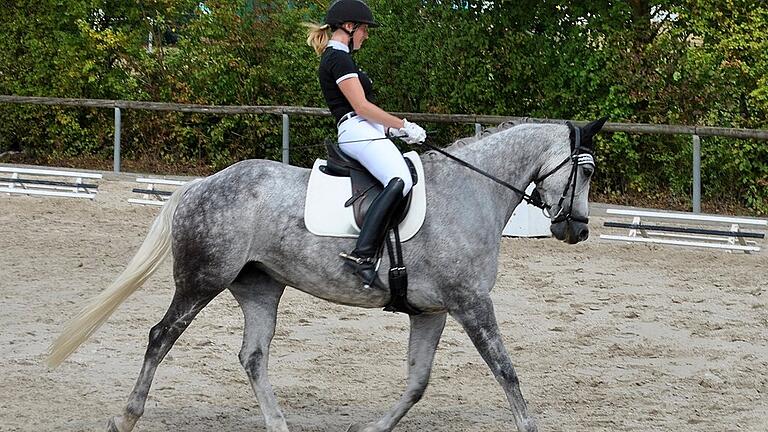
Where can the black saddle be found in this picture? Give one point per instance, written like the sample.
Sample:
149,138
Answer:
365,187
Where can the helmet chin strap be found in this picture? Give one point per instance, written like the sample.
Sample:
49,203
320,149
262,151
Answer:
351,35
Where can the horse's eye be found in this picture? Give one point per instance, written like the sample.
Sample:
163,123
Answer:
588,170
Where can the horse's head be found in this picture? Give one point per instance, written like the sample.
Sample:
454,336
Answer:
563,183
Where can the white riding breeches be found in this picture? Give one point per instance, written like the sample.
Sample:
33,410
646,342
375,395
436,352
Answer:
380,156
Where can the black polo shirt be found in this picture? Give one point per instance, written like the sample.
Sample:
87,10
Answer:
336,65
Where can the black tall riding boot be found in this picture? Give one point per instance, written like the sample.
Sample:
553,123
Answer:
363,258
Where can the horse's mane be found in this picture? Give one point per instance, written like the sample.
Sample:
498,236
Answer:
461,142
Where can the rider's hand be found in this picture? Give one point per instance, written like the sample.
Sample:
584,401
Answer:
412,133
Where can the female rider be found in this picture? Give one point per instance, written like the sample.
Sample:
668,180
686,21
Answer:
349,94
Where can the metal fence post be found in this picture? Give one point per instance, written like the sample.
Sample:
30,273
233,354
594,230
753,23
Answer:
478,129
286,136
118,121
696,174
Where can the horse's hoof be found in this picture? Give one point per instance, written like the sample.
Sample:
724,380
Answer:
361,427
111,426
119,424
529,425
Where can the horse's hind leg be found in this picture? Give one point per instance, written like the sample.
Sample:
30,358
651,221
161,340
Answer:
184,307
425,335
479,321
258,296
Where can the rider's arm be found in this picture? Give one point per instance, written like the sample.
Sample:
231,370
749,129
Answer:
353,91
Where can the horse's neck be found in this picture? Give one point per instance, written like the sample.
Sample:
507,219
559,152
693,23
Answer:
508,156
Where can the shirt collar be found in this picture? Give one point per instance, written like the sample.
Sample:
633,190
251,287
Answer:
338,45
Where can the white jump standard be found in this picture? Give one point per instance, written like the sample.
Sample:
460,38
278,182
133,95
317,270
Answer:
69,184
151,195
731,239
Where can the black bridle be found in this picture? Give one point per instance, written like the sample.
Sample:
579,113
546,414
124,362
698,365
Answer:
580,155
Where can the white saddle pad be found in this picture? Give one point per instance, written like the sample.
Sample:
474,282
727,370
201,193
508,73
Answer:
325,214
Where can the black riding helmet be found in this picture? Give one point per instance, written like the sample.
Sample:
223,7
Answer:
355,11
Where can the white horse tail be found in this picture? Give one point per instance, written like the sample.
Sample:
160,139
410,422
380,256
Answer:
156,246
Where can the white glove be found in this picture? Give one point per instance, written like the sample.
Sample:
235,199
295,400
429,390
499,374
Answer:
412,133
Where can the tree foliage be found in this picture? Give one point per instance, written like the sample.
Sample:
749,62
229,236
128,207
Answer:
693,62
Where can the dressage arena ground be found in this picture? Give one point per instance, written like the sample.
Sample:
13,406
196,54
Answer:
605,337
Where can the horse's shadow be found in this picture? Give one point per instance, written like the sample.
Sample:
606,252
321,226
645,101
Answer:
322,418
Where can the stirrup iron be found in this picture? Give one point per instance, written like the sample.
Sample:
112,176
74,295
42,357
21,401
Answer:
366,268
357,260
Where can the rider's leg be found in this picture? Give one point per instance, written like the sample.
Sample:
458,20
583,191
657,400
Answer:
379,156
363,257
385,162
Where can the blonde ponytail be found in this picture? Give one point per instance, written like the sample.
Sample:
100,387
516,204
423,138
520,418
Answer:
318,36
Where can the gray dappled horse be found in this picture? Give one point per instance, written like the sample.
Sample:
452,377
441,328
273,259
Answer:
243,229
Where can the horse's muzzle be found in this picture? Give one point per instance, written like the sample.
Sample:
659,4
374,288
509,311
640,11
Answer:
571,232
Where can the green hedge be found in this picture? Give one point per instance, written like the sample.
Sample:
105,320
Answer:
702,62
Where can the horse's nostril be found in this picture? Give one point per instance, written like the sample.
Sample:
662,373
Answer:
583,234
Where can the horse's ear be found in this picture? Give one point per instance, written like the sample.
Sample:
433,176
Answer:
593,128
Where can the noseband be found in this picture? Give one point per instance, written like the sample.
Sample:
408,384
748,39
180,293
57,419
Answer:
579,156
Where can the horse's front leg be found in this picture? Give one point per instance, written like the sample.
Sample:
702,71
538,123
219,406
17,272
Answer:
425,335
479,321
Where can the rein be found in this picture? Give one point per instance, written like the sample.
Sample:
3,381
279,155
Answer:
579,156
534,200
